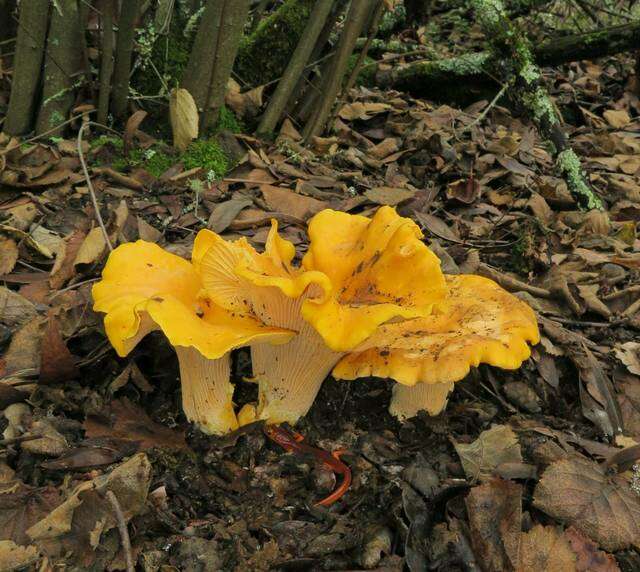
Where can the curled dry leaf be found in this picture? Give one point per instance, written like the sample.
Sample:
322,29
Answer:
15,310
15,557
183,114
629,354
56,362
601,506
8,255
492,448
495,514
545,549
91,248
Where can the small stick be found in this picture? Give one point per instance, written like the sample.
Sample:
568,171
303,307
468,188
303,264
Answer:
92,192
122,528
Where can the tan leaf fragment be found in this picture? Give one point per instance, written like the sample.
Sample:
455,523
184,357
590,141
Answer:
388,195
545,549
495,514
78,519
15,310
291,203
8,255
91,248
183,114
492,448
603,507
629,354
617,118
15,557
589,558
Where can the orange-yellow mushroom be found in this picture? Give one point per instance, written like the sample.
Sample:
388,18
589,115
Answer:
146,288
478,322
359,273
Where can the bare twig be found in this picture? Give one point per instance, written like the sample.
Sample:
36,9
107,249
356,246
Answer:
92,192
122,528
486,110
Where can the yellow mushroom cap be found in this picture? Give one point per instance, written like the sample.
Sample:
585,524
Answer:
379,270
144,287
478,322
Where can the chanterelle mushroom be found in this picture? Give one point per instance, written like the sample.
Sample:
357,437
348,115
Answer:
145,288
478,322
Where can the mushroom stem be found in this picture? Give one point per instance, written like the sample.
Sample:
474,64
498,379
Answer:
206,391
409,400
290,375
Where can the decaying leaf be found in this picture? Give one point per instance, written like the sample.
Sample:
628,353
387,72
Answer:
492,448
495,514
589,557
545,549
8,255
629,354
579,492
15,557
56,362
388,195
92,247
183,114
86,515
225,213
15,310
289,202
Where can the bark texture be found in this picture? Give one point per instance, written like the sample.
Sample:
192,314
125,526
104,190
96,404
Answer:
106,59
63,65
27,63
212,56
124,47
512,47
288,82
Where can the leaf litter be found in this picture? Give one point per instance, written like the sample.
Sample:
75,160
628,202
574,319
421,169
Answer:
512,476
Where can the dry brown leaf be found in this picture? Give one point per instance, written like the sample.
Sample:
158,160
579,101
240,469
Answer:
247,104
15,557
15,309
495,514
23,353
629,354
545,549
147,232
617,118
91,248
79,522
362,110
291,203
601,506
26,239
492,448
183,114
64,268
388,195
131,128
123,419
56,362
225,213
8,255
589,558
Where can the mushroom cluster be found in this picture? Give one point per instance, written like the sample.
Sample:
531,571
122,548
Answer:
368,299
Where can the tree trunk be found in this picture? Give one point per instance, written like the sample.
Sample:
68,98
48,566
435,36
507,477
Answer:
27,63
528,90
124,47
106,59
264,55
294,70
354,23
212,56
62,67
467,77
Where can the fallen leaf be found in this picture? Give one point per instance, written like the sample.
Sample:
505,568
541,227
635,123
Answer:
15,557
130,129
147,232
629,354
81,520
15,309
388,195
56,362
492,448
545,549
601,506
360,110
224,213
589,558
123,419
64,269
92,453
465,191
91,248
289,202
23,353
495,514
184,117
8,255
617,118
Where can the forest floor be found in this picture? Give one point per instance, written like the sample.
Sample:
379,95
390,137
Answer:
524,470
